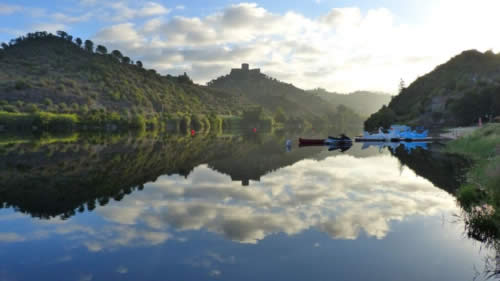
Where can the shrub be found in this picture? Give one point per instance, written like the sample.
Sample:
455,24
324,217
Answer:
10,108
32,108
47,102
21,85
138,122
196,122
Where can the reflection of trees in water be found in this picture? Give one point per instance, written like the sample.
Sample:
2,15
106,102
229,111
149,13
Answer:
60,179
448,171
444,170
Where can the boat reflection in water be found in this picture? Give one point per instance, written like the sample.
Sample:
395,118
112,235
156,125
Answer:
409,146
342,147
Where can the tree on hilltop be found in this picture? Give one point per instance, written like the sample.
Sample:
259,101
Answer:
101,50
89,46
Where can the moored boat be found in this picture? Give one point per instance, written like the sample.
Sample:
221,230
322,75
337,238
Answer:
342,139
396,133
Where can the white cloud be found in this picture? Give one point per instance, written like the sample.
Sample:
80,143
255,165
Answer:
122,269
49,27
88,2
63,18
6,9
122,12
120,36
152,9
215,273
330,196
344,50
11,237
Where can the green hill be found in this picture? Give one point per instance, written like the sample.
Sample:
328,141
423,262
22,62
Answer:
45,72
364,103
456,93
274,95
56,81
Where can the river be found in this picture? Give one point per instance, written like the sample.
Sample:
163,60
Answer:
230,207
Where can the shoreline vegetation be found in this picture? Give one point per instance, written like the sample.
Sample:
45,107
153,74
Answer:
479,195
455,93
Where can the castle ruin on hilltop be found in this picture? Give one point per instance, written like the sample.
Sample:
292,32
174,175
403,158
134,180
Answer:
245,69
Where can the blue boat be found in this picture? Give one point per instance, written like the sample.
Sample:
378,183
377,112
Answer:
396,133
406,133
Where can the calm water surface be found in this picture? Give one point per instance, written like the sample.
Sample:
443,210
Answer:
228,208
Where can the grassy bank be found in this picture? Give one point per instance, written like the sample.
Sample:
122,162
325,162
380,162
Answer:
24,122
480,194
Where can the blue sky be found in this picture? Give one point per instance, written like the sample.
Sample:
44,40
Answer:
339,45
406,11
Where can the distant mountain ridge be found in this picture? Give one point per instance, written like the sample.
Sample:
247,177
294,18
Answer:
296,103
455,93
364,103
271,93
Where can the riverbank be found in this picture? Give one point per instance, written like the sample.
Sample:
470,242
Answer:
479,195
456,133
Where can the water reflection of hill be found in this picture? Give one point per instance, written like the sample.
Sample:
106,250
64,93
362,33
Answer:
444,170
51,178
257,157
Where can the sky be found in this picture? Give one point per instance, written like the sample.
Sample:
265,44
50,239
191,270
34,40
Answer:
339,45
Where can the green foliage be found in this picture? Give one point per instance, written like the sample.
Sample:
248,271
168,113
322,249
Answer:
9,108
89,46
32,108
126,60
138,122
257,88
59,70
117,55
280,116
253,114
21,85
196,122
39,121
384,118
100,49
47,102
480,195
469,196
472,105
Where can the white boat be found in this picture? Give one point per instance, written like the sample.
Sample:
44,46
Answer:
380,136
396,133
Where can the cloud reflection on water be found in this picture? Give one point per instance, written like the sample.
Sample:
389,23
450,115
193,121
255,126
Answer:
342,196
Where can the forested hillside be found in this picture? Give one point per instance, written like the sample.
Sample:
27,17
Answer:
56,81
456,93
284,98
60,74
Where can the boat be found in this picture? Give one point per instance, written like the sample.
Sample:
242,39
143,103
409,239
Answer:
342,147
342,139
396,133
379,136
409,146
